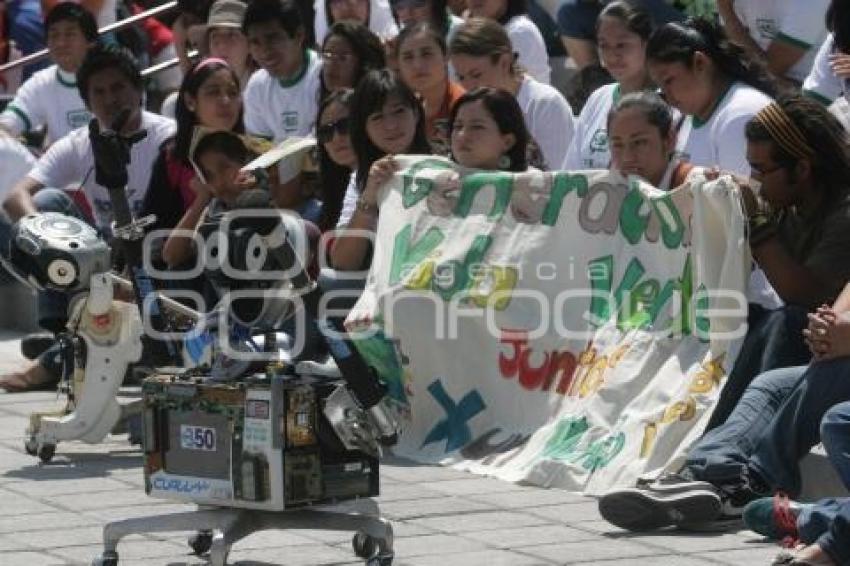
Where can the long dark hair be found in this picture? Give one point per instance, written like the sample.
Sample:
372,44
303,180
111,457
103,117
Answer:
514,8
507,114
838,23
369,97
187,119
677,43
333,177
365,45
824,135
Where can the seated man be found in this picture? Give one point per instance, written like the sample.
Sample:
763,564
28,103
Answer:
799,232
757,451
109,83
50,97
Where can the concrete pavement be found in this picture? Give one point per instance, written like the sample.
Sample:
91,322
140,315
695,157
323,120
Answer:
54,514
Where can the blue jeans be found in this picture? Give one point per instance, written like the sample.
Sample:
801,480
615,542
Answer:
775,424
774,340
828,521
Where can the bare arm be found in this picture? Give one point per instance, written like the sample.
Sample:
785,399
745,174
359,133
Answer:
794,282
736,30
177,248
19,202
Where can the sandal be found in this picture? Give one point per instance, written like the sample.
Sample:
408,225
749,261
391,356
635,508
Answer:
34,378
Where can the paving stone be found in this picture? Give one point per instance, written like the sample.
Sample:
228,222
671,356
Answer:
484,557
30,559
520,537
529,498
431,507
471,522
474,485
689,542
762,553
591,551
441,544
302,555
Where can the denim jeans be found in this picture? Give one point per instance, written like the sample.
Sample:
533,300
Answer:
774,340
828,521
775,424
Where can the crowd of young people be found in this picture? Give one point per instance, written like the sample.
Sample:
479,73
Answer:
371,80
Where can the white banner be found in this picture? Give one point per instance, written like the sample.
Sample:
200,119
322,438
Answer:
562,329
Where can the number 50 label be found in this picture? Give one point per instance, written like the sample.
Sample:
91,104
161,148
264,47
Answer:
197,438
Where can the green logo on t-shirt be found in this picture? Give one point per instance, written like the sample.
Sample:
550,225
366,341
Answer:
290,121
766,27
78,118
599,141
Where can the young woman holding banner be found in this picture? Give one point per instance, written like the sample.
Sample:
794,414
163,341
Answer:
386,120
488,131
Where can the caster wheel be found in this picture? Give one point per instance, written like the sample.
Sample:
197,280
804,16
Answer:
364,545
200,542
380,561
106,559
31,446
46,452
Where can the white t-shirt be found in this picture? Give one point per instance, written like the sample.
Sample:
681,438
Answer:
790,21
528,44
278,110
69,162
589,148
49,98
16,163
822,83
720,142
381,20
549,120
349,202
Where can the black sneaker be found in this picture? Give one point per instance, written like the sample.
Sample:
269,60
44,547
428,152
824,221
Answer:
33,345
671,502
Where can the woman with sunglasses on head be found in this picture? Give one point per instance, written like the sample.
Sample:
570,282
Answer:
622,32
488,131
349,51
336,157
714,84
525,38
423,67
386,120
482,55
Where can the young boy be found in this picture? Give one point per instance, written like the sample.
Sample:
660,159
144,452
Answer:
281,97
50,97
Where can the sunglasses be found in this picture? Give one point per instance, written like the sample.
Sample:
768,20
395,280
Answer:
325,133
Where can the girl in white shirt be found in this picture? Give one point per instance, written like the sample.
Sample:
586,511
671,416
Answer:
482,55
526,39
622,32
714,84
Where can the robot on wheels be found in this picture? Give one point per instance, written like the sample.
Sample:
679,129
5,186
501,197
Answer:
257,445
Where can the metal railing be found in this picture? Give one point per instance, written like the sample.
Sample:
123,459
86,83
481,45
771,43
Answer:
117,26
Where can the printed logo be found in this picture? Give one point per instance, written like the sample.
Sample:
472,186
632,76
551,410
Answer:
599,141
78,118
290,121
